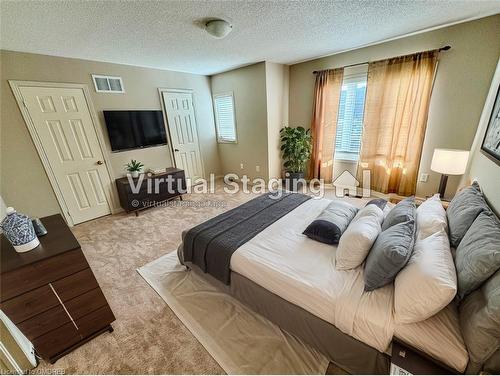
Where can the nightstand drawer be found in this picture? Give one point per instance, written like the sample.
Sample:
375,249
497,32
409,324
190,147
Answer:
25,306
57,340
44,322
86,303
75,285
95,321
41,273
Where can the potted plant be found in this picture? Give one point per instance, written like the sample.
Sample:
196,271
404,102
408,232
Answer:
296,145
134,168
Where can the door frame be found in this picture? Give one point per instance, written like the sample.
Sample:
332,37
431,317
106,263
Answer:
15,86
165,119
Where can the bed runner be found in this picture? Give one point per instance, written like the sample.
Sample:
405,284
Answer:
211,244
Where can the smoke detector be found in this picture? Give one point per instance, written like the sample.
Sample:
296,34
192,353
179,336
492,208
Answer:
218,28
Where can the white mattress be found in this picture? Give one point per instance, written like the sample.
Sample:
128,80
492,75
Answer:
302,271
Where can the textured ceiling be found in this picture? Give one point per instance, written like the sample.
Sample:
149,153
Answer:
167,34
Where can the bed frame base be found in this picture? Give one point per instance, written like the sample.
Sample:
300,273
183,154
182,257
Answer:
346,352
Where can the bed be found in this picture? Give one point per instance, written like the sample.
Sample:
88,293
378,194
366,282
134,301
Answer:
292,280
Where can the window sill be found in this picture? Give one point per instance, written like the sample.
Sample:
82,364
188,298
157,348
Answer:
345,160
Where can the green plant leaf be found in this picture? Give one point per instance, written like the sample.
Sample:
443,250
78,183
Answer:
296,146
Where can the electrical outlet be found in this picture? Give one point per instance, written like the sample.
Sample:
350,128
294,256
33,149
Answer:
241,166
257,168
424,177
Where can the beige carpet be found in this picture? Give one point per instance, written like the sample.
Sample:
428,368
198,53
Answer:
241,341
148,337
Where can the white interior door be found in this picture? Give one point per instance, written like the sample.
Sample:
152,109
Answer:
64,127
183,132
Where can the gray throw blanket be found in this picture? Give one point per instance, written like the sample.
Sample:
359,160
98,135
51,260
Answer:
211,244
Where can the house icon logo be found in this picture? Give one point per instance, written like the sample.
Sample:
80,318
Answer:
346,184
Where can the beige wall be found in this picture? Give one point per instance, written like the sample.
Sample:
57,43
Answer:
23,181
277,89
261,105
481,166
461,85
248,85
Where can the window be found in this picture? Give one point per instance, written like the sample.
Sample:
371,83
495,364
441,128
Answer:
350,117
224,117
108,84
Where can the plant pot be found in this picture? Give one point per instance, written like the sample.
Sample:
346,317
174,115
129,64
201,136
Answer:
134,174
294,181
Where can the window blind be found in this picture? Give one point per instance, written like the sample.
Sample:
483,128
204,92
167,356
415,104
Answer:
350,118
224,117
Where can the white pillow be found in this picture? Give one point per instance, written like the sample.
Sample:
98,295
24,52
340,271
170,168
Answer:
431,217
387,208
428,283
358,238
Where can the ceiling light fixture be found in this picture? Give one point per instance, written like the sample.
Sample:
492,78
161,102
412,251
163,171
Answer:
218,28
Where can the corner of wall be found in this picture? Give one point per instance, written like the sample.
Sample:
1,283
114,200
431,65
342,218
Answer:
277,96
248,85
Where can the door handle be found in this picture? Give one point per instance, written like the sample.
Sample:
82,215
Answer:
176,149
100,162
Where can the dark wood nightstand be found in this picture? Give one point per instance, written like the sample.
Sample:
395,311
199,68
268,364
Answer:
147,196
406,360
51,294
418,200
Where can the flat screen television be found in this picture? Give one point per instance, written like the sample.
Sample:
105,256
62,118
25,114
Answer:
135,129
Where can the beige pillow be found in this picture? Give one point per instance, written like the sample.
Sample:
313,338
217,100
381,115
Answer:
428,283
358,238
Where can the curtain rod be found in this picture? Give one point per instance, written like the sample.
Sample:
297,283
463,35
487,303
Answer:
445,48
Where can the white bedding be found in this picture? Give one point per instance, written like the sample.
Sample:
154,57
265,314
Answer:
284,261
439,336
302,271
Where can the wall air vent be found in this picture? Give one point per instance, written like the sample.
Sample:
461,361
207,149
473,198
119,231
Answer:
108,84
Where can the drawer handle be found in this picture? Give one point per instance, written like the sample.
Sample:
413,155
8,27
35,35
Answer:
65,309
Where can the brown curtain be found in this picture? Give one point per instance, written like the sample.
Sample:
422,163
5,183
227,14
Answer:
397,102
324,122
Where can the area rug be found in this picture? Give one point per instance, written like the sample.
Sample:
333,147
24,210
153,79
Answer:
240,340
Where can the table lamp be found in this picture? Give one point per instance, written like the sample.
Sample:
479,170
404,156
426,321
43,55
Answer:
448,162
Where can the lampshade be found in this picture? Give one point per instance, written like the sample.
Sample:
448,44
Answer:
449,161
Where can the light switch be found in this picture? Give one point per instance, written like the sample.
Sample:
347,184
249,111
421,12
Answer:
424,177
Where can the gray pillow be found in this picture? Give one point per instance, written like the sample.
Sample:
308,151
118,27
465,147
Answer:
332,222
478,255
389,254
480,322
404,211
380,202
463,210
